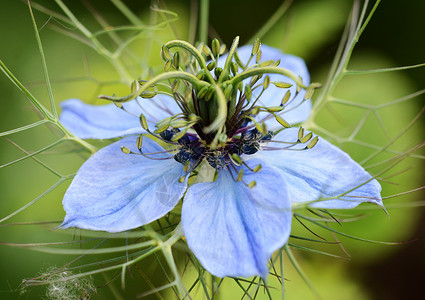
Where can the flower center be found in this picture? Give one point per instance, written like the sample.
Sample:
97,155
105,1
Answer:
221,116
192,149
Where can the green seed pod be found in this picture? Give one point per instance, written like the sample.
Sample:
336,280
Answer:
148,94
210,93
300,133
308,93
286,97
248,92
179,135
118,104
252,184
161,129
186,166
266,82
240,175
178,123
258,58
258,168
211,65
193,118
134,86
234,68
176,60
255,111
165,53
282,122
261,127
167,65
175,86
200,75
299,87
313,142
254,80
139,142
217,71
222,138
125,150
143,122
237,158
256,47
275,108
282,85
163,122
203,91
306,138
222,49
266,63
206,50
215,47
276,63
228,92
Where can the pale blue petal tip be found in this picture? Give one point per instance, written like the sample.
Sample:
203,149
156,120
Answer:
323,172
108,121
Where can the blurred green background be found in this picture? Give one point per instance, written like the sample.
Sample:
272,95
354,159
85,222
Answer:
310,29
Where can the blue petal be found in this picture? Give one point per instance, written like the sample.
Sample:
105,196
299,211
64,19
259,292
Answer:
108,121
324,171
297,110
232,229
113,191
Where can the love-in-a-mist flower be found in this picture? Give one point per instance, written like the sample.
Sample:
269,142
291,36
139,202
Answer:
227,123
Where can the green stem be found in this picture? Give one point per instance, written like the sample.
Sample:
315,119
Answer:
124,75
226,69
300,271
43,63
194,52
23,89
265,70
282,274
127,12
352,40
203,21
164,76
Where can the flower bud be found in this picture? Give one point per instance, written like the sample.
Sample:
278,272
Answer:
256,47
176,60
211,65
217,71
165,53
215,47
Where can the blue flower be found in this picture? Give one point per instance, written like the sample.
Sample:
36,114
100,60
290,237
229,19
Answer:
234,223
